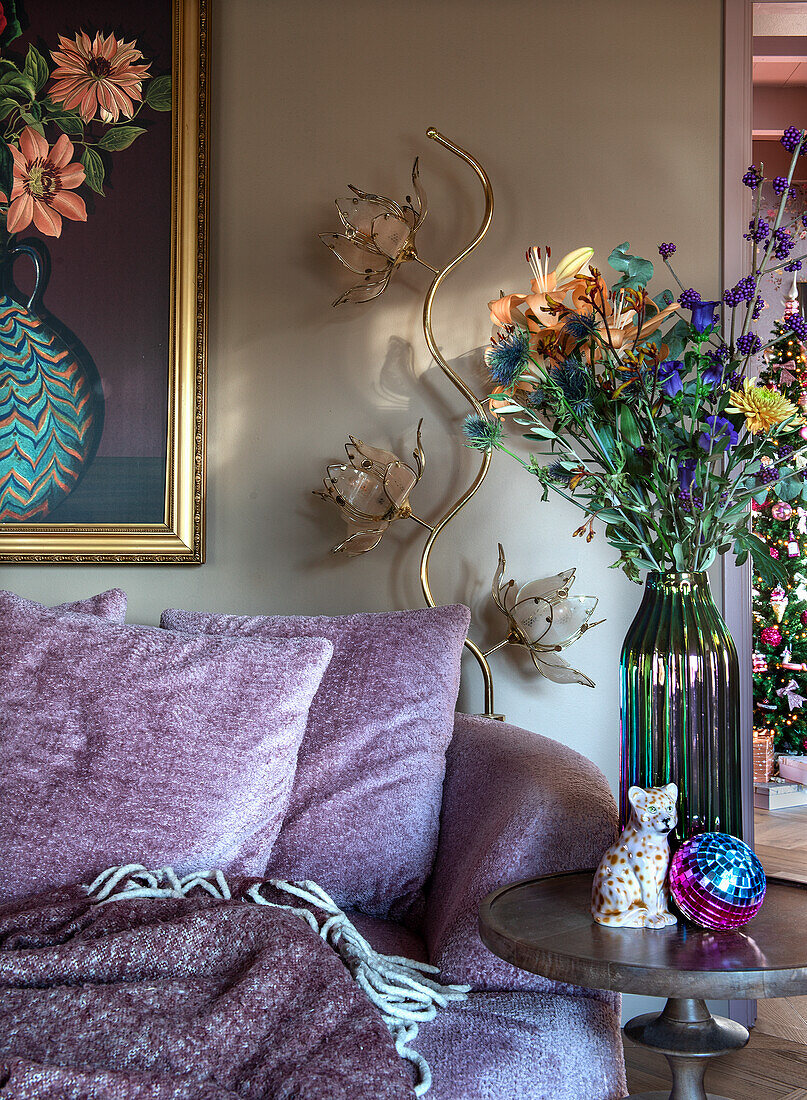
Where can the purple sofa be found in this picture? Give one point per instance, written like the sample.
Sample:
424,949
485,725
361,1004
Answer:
515,804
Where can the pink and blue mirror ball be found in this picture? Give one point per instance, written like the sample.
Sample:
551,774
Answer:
717,881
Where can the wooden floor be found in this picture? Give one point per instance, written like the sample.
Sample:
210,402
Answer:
774,1064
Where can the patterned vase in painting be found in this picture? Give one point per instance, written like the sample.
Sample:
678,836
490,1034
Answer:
680,705
51,400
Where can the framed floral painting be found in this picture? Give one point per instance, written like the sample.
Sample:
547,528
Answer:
103,267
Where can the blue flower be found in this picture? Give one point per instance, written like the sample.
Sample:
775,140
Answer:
669,376
574,383
686,473
722,431
703,315
508,356
480,433
715,368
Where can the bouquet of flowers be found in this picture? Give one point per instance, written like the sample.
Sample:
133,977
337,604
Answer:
61,116
646,418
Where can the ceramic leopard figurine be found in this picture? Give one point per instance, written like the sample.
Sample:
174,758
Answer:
630,885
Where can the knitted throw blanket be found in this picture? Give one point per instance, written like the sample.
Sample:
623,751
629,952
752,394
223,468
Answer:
198,989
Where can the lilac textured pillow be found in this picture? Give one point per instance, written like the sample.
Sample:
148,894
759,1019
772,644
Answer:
364,814
109,605
131,744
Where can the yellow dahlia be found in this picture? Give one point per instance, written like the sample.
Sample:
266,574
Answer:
761,407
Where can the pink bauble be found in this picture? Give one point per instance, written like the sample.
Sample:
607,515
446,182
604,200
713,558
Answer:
771,635
803,618
774,553
803,431
781,510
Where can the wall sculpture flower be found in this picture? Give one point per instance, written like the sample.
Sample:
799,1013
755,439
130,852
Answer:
379,236
371,491
544,619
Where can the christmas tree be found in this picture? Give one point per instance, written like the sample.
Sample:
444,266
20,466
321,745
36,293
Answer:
780,614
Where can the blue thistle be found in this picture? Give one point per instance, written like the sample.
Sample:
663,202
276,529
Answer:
480,433
574,384
581,326
508,356
557,473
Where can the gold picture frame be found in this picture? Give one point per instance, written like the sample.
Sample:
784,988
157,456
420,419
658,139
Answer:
180,538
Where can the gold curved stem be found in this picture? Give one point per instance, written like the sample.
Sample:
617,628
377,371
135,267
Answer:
466,393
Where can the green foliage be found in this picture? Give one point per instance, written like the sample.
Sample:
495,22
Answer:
636,272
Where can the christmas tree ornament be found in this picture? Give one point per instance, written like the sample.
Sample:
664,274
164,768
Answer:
771,635
717,882
760,661
755,507
790,692
779,602
803,618
781,510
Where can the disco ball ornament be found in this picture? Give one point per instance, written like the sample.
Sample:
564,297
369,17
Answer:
716,881
781,510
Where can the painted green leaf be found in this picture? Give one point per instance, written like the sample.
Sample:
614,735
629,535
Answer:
69,122
121,137
158,93
6,107
36,68
93,169
17,85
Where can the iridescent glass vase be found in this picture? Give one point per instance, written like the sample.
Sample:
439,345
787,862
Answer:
680,705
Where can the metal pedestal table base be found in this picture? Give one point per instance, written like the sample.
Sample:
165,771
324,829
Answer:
688,1035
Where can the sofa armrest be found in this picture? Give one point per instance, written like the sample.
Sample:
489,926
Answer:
515,805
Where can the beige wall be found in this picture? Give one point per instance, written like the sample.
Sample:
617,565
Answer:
598,122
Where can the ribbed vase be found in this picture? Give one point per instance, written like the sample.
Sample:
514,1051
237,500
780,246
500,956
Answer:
680,704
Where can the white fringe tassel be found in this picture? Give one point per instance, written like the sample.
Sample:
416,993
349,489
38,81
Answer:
398,987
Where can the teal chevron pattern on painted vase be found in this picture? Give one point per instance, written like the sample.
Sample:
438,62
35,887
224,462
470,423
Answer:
51,415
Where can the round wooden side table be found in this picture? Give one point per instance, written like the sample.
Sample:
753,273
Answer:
544,925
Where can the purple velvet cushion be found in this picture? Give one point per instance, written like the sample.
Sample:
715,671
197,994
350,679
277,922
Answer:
364,814
131,744
109,605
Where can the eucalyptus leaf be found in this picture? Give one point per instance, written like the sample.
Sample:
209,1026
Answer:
636,272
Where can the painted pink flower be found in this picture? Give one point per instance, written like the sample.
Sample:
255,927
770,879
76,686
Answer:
98,76
44,180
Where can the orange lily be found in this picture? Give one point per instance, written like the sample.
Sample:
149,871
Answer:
548,289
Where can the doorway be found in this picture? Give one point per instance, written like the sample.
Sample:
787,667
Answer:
765,90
